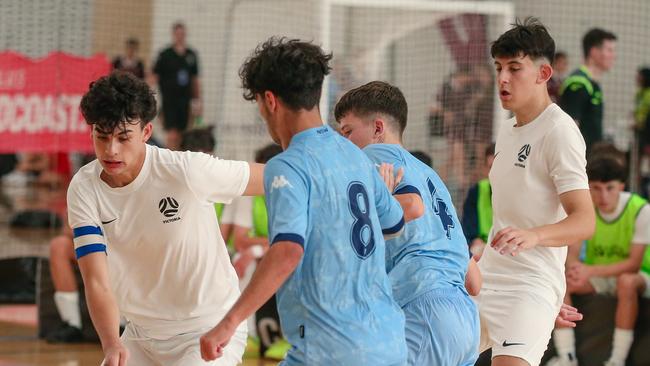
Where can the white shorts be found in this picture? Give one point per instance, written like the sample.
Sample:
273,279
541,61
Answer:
607,285
604,285
516,323
181,350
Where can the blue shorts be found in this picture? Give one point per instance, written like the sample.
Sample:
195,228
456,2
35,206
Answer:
442,329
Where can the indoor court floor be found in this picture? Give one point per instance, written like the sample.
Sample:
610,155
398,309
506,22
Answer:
19,345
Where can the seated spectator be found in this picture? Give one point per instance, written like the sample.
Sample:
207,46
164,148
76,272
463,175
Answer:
66,291
477,210
614,263
51,170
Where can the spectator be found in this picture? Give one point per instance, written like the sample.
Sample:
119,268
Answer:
130,62
66,291
477,210
580,94
177,73
560,65
614,256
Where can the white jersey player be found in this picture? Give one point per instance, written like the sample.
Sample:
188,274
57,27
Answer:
146,234
540,200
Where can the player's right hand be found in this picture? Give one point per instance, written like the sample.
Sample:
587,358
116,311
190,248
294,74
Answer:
115,355
391,180
567,317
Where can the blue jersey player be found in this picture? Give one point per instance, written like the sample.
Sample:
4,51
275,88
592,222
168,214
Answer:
427,264
328,211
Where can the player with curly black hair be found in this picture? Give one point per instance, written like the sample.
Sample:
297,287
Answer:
146,235
327,207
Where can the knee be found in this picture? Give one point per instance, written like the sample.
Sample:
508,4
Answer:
626,284
61,248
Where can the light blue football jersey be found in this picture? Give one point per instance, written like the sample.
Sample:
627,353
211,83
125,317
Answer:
431,253
336,308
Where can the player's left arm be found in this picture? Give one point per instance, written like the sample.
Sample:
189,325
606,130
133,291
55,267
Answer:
287,200
407,195
473,278
274,269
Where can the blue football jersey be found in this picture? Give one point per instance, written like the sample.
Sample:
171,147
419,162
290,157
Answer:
432,251
336,308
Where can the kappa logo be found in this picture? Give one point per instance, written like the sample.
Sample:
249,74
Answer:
280,182
168,207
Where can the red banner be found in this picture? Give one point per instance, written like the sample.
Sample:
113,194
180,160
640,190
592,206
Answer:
39,101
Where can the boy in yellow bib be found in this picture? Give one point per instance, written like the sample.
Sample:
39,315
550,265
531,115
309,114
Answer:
615,262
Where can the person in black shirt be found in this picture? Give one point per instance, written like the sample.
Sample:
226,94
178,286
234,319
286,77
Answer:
580,95
177,71
130,62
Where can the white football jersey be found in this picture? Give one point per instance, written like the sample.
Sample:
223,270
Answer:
534,164
168,264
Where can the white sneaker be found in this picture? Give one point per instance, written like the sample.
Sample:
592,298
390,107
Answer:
561,361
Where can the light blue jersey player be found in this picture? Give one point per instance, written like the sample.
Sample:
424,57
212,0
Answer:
427,264
336,308
328,210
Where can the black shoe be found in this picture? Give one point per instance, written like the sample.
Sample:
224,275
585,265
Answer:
65,334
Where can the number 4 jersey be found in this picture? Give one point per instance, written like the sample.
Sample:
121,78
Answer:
336,308
432,251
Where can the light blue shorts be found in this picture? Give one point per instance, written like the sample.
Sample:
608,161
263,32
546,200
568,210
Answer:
442,329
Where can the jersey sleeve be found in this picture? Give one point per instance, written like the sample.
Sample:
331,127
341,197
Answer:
287,201
565,156
243,215
642,226
84,222
389,211
214,179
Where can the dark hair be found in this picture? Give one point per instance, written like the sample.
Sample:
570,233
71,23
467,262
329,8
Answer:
422,156
198,139
645,77
489,150
178,24
559,55
289,68
374,97
266,153
132,42
530,38
117,99
606,169
595,38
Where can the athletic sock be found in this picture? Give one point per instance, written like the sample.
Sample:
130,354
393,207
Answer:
623,339
565,343
67,303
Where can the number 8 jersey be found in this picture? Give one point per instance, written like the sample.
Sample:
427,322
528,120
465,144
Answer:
336,308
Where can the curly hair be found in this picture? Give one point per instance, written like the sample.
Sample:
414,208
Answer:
530,38
117,99
289,68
